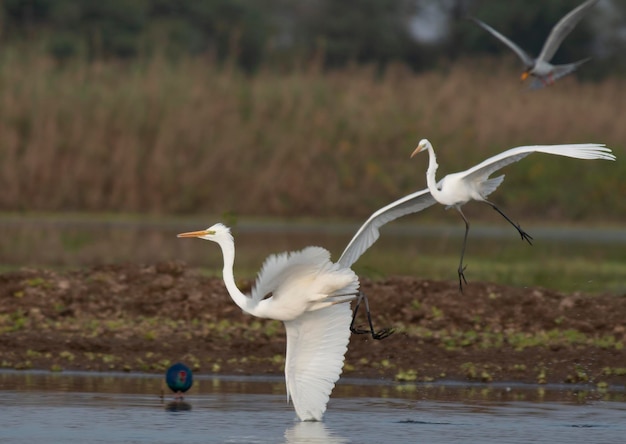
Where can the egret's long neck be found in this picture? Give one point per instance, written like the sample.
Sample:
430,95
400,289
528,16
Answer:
431,182
228,252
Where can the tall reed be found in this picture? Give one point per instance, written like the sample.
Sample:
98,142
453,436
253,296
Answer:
194,137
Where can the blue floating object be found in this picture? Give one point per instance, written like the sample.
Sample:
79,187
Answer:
179,378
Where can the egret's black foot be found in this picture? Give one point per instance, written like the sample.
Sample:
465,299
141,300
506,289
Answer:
359,331
384,333
381,334
525,236
378,335
462,279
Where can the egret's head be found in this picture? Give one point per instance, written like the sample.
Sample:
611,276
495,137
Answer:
213,233
422,146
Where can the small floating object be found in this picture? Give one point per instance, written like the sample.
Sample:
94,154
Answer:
179,379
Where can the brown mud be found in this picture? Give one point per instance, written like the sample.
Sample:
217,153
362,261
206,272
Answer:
141,318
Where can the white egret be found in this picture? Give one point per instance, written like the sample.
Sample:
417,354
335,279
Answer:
455,190
544,72
311,295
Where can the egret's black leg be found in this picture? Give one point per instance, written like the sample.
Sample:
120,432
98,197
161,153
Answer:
525,236
461,269
382,334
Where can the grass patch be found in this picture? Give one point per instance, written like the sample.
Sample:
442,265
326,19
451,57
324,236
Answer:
409,247
453,340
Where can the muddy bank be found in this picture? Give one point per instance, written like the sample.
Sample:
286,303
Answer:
144,317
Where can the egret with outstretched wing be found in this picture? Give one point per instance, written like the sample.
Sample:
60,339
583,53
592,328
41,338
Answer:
311,295
456,189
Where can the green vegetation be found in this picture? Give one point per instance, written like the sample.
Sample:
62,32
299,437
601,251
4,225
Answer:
453,340
587,267
578,264
542,375
406,375
619,371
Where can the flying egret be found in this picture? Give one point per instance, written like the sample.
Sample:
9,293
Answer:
455,190
311,295
544,72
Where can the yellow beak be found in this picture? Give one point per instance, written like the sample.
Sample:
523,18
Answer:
524,75
196,233
417,150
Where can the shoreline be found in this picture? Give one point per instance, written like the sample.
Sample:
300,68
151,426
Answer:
142,318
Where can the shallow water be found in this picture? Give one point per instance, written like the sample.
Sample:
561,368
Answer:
122,408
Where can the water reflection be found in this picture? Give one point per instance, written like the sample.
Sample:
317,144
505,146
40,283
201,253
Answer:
152,384
80,382
177,406
310,433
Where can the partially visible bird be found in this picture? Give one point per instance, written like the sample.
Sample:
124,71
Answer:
540,68
179,379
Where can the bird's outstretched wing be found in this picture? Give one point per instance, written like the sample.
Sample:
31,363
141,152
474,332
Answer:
368,233
316,344
562,29
577,151
528,60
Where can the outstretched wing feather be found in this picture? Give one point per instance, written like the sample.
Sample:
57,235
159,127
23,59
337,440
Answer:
526,59
563,28
368,232
499,161
316,344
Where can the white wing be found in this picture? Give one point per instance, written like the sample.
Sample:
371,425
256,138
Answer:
316,344
368,233
577,151
413,203
528,60
279,270
562,29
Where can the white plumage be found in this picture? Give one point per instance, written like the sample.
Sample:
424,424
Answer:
284,274
309,293
316,344
368,233
456,189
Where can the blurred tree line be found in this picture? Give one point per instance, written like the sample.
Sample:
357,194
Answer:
419,33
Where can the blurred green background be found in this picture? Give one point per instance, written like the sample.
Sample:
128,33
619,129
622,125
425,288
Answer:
154,116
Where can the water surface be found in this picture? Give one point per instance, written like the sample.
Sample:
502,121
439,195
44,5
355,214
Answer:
121,408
